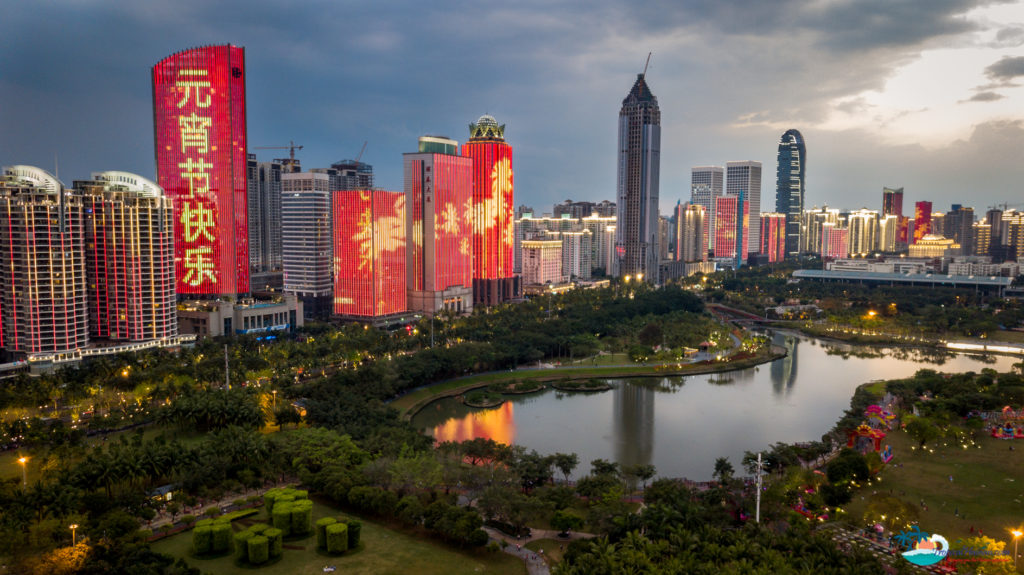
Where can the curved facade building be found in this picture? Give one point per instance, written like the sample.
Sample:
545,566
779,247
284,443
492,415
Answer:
129,258
789,187
42,281
199,126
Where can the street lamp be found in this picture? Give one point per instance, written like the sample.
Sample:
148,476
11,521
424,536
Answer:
24,473
1016,537
72,527
275,399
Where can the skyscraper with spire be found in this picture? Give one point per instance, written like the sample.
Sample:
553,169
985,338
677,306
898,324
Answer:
636,239
789,187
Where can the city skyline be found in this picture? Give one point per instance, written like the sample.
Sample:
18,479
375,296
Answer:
926,99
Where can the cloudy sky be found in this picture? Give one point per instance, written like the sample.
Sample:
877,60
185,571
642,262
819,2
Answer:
924,94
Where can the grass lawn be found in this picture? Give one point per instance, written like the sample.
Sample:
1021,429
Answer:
987,488
382,551
553,549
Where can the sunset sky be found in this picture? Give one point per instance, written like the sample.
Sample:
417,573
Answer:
923,94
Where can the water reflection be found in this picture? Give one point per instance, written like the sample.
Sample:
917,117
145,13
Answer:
633,408
700,417
783,371
498,424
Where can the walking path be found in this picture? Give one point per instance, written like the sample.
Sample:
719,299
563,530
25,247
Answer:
535,563
225,504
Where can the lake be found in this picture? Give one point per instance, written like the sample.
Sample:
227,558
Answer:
682,424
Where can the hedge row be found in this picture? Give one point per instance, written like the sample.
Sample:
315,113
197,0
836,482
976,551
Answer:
212,537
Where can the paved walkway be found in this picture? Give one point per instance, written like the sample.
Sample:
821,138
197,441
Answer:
535,563
163,518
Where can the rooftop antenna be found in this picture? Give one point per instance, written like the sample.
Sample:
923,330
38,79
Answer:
647,64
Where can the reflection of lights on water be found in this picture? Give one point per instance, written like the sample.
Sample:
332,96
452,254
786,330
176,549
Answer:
498,424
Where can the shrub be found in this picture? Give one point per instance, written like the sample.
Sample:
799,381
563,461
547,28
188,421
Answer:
300,494
321,531
211,512
202,539
337,538
259,528
221,538
204,523
259,549
282,516
270,497
477,538
302,517
239,502
276,539
242,545
188,519
355,526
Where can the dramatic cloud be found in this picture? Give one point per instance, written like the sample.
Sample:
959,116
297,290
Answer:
730,78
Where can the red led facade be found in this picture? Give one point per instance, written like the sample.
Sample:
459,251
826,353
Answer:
493,208
922,220
835,242
199,123
773,236
441,196
727,226
369,253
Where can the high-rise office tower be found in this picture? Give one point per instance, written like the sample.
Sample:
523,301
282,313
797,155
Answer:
789,186
863,234
369,253
959,226
746,177
892,205
42,280
199,124
306,241
706,184
350,175
494,280
892,201
129,258
732,227
994,218
773,236
639,162
264,207
439,219
922,220
664,235
938,224
691,238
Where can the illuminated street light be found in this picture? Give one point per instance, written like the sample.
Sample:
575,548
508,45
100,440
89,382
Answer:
24,473
275,399
1016,537
72,527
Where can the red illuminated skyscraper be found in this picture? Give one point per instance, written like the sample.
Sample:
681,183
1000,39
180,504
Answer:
773,236
199,125
439,225
493,213
922,220
835,241
129,256
369,253
731,227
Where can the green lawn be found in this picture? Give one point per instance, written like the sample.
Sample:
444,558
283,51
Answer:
553,550
383,550
987,488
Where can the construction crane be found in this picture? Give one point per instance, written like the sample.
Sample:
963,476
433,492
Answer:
1005,206
291,147
361,151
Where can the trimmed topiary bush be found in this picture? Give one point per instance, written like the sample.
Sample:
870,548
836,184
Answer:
321,531
259,528
276,539
221,537
204,523
282,516
302,517
242,545
355,526
202,540
337,538
259,549
300,494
